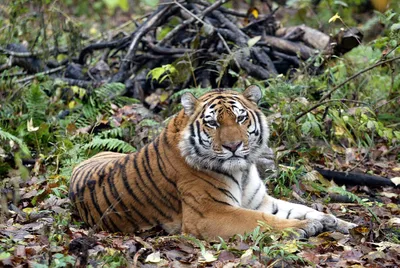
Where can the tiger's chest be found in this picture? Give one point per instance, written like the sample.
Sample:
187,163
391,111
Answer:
246,188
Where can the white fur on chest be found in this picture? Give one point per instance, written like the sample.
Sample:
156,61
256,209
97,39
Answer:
247,188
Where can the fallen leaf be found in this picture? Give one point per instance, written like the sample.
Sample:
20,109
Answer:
389,195
253,41
394,222
154,257
396,180
207,257
226,255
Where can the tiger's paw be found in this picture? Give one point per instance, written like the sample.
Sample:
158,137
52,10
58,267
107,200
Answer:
344,226
310,228
331,223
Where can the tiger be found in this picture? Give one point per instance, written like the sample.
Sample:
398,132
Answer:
198,177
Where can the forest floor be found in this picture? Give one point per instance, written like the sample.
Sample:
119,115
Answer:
48,126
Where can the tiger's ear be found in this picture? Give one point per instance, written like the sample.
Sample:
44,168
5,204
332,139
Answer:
188,102
253,93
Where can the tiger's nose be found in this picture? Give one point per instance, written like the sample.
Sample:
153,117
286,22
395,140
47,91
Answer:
232,146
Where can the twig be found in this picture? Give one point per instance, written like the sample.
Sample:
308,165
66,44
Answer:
343,83
224,10
241,38
137,36
185,23
31,77
31,54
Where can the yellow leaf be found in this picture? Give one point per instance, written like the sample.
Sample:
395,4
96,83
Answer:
339,131
71,104
93,31
164,96
334,18
291,246
28,210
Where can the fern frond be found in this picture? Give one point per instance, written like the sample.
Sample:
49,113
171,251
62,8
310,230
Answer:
112,133
110,144
197,92
109,91
341,191
36,102
123,100
4,135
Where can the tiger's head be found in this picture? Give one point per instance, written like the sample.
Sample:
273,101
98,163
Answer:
225,131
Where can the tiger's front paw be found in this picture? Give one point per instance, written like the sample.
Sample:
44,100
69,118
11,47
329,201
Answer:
331,223
344,226
310,228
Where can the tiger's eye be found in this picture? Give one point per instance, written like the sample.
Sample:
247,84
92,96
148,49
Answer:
241,118
212,123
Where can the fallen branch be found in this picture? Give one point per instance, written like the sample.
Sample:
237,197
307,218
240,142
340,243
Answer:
31,77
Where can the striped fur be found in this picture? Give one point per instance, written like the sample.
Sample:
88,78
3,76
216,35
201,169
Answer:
198,176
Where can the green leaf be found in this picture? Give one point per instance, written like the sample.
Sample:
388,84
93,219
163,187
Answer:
4,255
395,27
152,3
306,127
113,4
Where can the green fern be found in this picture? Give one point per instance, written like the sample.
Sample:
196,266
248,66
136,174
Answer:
110,144
353,197
110,91
4,135
36,102
112,133
197,92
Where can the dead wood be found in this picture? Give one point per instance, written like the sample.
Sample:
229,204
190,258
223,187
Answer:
214,39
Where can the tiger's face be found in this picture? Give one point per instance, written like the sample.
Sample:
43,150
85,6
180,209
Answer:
226,131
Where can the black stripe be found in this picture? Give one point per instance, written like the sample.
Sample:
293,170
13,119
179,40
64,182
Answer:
148,199
81,192
229,176
198,132
228,194
255,193
259,204
160,162
116,195
109,204
274,209
131,193
305,215
127,185
218,201
289,212
161,196
261,140
92,185
193,208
